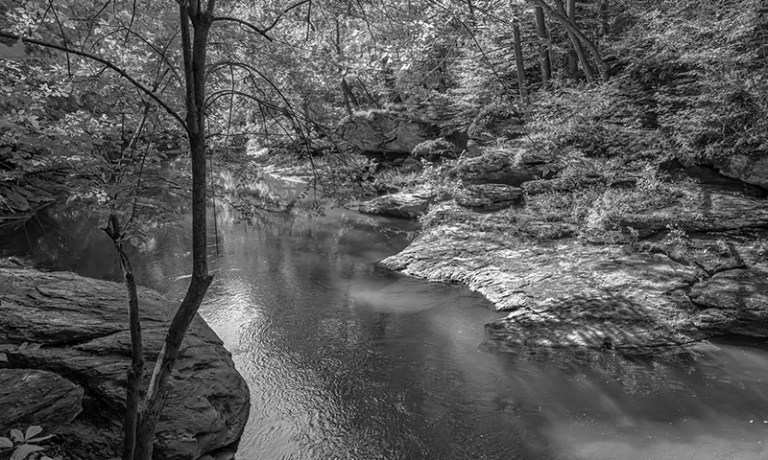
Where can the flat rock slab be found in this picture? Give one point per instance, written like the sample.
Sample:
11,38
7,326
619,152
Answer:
568,294
32,397
76,327
408,205
488,197
703,208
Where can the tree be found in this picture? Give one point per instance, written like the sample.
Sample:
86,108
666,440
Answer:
522,85
573,59
545,61
195,20
577,37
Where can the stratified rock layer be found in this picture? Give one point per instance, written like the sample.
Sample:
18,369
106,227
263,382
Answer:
750,170
408,205
569,294
509,167
76,327
30,397
487,197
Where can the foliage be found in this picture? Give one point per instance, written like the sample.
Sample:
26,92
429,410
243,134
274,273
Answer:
21,445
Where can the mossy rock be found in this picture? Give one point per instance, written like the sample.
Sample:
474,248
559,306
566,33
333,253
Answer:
436,150
496,122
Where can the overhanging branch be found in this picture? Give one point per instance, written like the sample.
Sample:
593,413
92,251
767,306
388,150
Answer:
247,24
107,64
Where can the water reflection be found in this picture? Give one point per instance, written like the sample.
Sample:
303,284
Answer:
346,360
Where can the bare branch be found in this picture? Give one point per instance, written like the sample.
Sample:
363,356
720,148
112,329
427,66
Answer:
247,24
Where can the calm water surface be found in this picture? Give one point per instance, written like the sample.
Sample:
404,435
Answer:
346,360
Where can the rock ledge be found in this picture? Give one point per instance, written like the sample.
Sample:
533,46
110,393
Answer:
70,334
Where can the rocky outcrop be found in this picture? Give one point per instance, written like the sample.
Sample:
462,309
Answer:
32,397
76,328
509,167
700,207
408,205
569,294
384,132
436,150
488,197
750,170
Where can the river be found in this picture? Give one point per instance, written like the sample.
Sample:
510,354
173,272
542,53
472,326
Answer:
347,360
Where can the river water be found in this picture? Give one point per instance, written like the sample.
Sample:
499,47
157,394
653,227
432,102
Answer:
346,360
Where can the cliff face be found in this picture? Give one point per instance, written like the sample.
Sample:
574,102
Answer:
64,344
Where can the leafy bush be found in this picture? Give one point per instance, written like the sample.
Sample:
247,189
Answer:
21,445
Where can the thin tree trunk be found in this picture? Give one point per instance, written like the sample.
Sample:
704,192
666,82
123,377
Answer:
544,59
582,56
194,46
519,64
370,98
136,371
572,29
349,97
573,66
605,18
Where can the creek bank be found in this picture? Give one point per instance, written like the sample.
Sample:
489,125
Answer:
69,335
567,293
581,253
642,271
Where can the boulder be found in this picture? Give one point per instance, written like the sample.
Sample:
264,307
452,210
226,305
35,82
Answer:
488,197
32,397
384,132
408,205
436,150
76,327
510,167
750,170
496,122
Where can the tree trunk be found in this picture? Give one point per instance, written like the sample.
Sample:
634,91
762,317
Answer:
582,56
349,97
390,82
544,59
370,98
574,32
605,18
194,47
519,64
573,66
136,371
